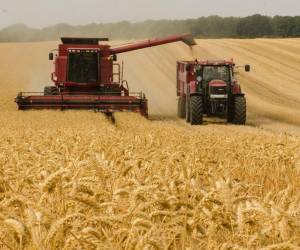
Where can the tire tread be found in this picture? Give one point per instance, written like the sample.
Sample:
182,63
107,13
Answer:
240,110
196,117
50,90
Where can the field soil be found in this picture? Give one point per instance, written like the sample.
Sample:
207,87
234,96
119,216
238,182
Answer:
75,180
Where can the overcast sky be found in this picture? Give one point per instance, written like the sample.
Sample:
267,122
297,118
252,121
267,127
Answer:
41,13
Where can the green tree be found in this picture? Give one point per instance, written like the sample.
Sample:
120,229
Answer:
254,26
285,26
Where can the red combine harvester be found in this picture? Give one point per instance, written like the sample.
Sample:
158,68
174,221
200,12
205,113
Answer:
210,88
87,77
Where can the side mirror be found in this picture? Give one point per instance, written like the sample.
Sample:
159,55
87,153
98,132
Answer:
51,56
247,68
114,58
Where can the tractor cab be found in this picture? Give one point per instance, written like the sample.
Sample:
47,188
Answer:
209,73
214,80
83,67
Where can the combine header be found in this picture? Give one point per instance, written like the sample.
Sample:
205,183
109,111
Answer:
87,76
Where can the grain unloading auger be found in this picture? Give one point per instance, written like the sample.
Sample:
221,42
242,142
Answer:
87,76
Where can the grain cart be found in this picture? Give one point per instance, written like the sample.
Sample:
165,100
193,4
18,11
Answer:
210,88
87,76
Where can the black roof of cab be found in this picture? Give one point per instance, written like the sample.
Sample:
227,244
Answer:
76,40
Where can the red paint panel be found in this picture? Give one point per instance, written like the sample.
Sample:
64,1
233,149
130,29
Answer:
106,66
61,68
185,75
193,87
236,89
153,42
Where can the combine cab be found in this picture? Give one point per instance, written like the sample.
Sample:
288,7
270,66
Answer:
87,76
210,88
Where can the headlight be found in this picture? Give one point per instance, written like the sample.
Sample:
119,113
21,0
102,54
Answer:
199,78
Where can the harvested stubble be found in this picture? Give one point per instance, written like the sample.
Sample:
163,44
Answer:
68,184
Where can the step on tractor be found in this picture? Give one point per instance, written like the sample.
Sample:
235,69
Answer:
87,76
210,88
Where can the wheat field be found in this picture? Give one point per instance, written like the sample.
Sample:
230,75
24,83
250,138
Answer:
74,180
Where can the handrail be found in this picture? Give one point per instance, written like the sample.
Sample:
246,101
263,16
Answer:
118,73
52,77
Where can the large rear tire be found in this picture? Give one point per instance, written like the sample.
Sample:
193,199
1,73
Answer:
181,108
196,110
50,90
230,111
239,114
187,110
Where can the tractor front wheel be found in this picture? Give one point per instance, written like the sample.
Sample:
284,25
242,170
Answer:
196,110
181,108
240,111
50,90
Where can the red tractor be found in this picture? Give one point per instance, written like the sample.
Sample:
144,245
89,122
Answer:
210,88
86,76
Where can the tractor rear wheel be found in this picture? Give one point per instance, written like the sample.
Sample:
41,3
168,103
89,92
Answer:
50,90
230,111
196,110
181,108
240,111
187,110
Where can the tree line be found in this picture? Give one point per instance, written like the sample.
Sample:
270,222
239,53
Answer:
254,26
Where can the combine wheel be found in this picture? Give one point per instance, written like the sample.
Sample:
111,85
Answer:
50,90
240,110
196,110
181,108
